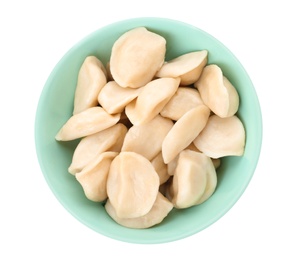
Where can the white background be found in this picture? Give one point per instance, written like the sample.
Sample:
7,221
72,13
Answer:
36,34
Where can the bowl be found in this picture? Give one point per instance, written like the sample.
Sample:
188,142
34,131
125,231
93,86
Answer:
56,104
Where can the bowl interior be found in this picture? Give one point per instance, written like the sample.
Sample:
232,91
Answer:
56,104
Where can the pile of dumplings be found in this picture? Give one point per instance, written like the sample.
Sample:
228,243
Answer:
151,131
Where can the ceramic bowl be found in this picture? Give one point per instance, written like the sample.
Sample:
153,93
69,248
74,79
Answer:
56,104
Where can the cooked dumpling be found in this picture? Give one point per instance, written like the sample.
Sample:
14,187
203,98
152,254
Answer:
147,139
187,66
91,79
114,98
183,100
93,177
173,163
151,100
132,185
184,131
210,185
161,208
217,92
136,57
191,178
91,146
88,122
161,168
222,137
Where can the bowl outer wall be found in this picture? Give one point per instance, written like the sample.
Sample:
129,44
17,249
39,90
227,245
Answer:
56,104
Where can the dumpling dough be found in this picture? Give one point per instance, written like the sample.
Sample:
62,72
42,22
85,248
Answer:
91,146
217,92
93,178
222,137
161,168
136,57
184,131
194,179
87,122
132,185
151,100
147,139
161,208
183,100
91,79
114,98
187,66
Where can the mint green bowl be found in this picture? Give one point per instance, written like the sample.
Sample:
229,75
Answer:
56,104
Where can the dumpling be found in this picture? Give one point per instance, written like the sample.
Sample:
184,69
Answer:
91,146
136,57
151,100
132,185
91,79
222,137
184,131
93,177
183,100
114,98
188,67
161,168
190,179
161,208
87,122
217,92
147,139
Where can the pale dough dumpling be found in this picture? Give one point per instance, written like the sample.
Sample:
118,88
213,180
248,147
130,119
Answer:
147,139
190,178
211,183
151,100
222,137
216,162
87,122
161,208
93,178
114,98
91,146
91,79
132,185
187,66
161,168
183,100
136,57
173,163
184,131
217,92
